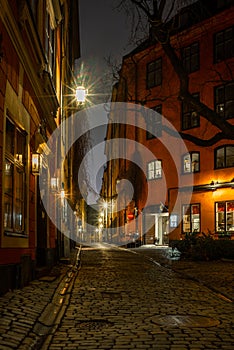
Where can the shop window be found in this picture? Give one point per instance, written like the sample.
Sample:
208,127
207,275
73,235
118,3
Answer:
14,179
191,218
224,157
190,58
191,163
190,117
154,123
154,170
224,214
224,101
154,73
224,45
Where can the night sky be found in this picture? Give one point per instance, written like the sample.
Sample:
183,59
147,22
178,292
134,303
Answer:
103,29
104,32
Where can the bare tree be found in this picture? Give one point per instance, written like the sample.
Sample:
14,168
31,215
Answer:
159,14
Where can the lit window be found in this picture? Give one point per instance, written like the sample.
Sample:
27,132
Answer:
190,58
154,169
14,179
224,45
154,73
191,218
224,214
224,101
224,157
191,162
190,117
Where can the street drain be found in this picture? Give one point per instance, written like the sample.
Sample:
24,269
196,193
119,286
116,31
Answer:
93,324
185,321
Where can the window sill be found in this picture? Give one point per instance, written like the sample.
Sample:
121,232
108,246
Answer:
15,234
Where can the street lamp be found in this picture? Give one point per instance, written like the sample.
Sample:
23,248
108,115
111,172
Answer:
81,94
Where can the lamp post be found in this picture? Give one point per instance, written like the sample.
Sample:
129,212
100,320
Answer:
105,206
81,94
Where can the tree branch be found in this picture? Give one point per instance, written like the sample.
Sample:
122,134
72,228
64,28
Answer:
196,140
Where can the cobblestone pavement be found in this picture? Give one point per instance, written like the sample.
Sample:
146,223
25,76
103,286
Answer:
26,315
119,299
216,275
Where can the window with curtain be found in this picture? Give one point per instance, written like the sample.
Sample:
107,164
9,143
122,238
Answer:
224,214
191,218
154,169
191,162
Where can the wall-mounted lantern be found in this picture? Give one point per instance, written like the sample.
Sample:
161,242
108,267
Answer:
36,163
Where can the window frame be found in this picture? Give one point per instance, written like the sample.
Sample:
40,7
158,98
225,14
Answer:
225,101
187,115
154,75
191,155
223,228
190,56
155,124
224,147
191,222
155,170
225,45
17,193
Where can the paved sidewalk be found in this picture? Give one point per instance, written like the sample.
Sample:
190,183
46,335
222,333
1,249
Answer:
216,275
27,314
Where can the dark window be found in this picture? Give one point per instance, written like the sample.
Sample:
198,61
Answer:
191,218
224,157
224,214
154,170
190,117
191,162
224,101
224,45
154,73
190,57
154,123
14,179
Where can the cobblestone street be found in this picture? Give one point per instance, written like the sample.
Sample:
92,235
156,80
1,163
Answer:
117,299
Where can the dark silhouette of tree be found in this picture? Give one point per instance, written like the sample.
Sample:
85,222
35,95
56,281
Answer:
161,16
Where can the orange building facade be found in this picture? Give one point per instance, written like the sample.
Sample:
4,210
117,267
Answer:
34,44
187,188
